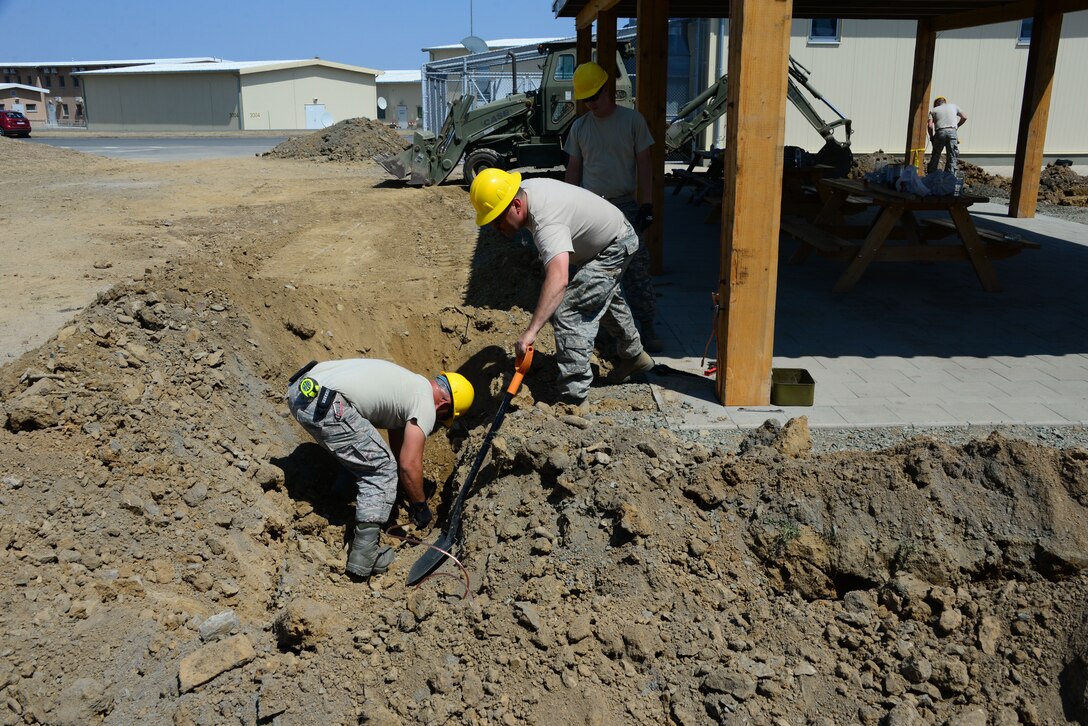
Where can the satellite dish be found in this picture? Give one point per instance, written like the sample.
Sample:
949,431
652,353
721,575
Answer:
474,44
326,120
382,103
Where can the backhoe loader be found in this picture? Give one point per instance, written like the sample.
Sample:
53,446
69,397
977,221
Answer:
521,130
529,129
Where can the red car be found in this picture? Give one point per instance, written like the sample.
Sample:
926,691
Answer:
13,123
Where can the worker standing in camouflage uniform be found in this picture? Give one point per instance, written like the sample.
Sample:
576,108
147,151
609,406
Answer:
609,150
343,403
585,244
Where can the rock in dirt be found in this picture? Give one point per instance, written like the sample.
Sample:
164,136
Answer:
302,624
219,626
214,659
82,702
27,413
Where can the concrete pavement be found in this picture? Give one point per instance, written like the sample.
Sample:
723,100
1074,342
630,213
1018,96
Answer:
918,344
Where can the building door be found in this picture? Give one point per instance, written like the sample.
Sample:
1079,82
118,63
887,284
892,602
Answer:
314,115
402,116
51,114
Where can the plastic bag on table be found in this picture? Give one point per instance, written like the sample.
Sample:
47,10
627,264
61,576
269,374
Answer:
940,183
910,183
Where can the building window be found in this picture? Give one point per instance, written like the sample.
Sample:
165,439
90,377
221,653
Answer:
32,108
79,110
60,80
64,110
75,82
1025,31
823,30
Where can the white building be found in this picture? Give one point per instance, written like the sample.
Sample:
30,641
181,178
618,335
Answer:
864,68
400,99
228,95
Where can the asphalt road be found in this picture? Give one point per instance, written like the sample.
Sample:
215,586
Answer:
187,148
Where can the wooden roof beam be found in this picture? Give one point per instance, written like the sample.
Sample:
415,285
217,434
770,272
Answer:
589,13
1005,13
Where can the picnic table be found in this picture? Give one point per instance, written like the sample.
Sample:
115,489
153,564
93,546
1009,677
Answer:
829,235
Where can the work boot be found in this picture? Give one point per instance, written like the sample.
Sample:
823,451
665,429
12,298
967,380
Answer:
630,366
366,558
650,342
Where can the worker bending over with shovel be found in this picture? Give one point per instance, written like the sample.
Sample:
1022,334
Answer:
585,244
343,403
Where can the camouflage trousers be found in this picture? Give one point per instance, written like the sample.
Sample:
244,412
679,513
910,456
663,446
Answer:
594,299
359,448
948,141
638,286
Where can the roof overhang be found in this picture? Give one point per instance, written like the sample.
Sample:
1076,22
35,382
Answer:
945,14
22,86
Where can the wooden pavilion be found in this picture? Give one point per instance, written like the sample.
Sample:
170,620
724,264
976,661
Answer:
759,34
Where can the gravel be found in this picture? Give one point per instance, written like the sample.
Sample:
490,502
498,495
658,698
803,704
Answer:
1068,213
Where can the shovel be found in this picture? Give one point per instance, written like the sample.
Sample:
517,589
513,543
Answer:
434,556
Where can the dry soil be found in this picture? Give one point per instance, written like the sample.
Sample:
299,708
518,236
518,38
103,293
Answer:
172,546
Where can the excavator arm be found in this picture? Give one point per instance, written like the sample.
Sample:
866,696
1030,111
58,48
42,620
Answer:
430,159
702,111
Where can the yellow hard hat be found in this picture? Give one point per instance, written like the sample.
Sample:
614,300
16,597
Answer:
588,79
939,100
491,193
462,393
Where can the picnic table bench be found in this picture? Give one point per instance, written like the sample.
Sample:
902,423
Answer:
829,236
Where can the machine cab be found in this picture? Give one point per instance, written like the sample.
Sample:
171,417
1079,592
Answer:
557,84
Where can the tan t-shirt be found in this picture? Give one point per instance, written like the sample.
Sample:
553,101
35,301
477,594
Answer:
387,395
607,148
945,116
566,218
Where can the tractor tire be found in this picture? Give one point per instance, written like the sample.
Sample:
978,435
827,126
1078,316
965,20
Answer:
480,159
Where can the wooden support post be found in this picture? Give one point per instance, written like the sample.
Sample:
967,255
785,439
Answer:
583,54
652,77
584,47
759,40
921,85
1035,110
606,46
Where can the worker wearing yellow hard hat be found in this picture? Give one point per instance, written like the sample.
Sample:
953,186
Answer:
588,79
608,153
585,243
343,403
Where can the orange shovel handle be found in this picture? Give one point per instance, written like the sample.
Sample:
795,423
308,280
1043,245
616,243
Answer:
521,367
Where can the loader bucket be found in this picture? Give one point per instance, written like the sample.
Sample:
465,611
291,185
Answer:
396,164
836,155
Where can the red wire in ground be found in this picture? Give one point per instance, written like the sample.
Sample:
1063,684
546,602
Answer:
464,572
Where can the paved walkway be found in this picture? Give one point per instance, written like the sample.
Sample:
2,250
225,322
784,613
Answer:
912,344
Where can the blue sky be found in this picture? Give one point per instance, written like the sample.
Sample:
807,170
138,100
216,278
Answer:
383,34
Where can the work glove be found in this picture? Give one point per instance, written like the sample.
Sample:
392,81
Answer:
420,514
644,218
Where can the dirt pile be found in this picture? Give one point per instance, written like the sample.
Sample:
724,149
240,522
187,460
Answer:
173,546
355,139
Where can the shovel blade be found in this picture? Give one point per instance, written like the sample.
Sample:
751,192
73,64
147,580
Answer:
430,560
